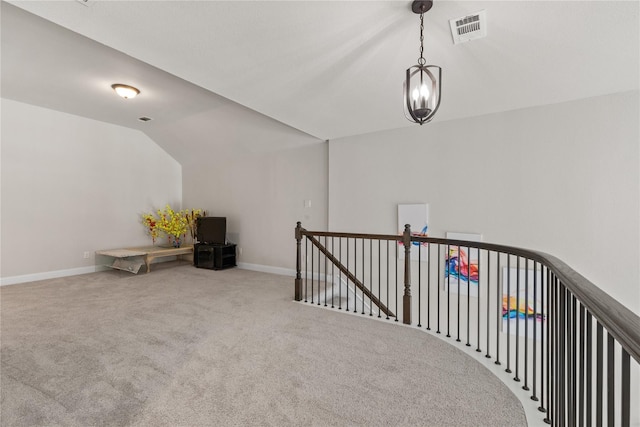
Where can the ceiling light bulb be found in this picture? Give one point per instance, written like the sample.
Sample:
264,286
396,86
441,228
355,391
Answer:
125,91
415,94
424,91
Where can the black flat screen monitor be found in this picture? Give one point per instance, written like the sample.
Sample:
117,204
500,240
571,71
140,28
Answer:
212,230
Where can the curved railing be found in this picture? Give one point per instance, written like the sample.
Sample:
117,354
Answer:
569,343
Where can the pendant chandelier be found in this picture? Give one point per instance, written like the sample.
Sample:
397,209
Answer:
423,83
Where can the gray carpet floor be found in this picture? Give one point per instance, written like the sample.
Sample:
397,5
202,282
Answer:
190,347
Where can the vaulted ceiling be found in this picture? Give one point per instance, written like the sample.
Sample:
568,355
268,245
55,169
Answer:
324,69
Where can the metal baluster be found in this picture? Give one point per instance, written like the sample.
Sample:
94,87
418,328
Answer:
526,323
517,339
438,291
574,361
478,310
559,360
419,284
508,370
397,246
347,279
570,360
448,289
549,313
534,395
380,278
556,347
459,297
325,273
552,348
340,274
319,255
499,309
625,392
387,278
333,277
611,376
468,295
370,276
570,351
355,271
428,287
581,411
488,356
363,277
562,359
599,363
589,413
534,357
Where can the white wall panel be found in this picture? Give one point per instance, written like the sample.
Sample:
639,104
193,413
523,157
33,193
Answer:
71,185
563,179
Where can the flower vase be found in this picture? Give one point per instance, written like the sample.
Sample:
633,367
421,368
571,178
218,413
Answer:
176,241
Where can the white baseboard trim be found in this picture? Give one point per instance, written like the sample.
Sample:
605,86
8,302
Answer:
267,269
14,280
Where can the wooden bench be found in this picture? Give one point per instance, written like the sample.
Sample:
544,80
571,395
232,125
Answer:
125,259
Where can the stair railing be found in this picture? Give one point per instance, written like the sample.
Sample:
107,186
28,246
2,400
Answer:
568,342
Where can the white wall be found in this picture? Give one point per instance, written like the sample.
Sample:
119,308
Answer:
262,194
71,185
563,179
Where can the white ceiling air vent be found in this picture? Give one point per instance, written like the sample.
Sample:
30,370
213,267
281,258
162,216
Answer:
469,27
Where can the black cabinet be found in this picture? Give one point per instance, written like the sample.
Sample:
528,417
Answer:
215,257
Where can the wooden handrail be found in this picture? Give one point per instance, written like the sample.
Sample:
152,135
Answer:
618,320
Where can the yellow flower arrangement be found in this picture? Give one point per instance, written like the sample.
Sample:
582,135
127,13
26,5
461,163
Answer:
173,224
192,221
150,222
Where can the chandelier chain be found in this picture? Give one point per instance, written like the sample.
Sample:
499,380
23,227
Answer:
421,60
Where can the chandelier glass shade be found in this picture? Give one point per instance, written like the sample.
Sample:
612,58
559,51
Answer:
423,83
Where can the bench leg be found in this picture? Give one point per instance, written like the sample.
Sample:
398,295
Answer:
147,261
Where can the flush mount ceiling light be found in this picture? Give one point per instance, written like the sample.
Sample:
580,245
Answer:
125,91
423,83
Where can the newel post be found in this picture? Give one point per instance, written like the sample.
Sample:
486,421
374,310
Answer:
406,299
298,283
